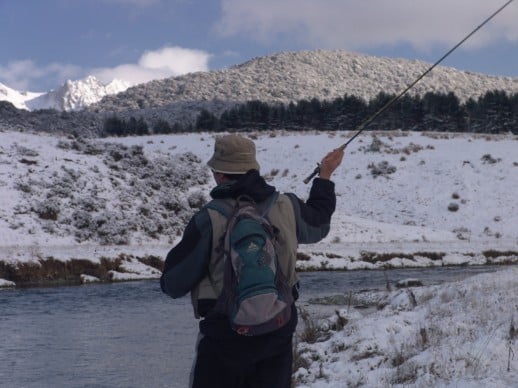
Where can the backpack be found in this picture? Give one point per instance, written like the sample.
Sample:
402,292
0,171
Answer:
256,295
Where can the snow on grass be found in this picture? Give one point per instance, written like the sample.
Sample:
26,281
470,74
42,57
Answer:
6,283
460,334
134,270
67,198
85,279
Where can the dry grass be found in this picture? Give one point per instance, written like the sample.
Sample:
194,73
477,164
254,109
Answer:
311,332
303,256
49,271
492,254
513,333
152,261
298,361
373,257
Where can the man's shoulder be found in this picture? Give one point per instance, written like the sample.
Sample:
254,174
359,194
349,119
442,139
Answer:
202,217
289,198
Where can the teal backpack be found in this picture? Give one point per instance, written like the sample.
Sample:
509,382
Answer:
256,295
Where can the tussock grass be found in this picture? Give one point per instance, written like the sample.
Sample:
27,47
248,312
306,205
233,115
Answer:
152,261
311,332
453,207
492,254
303,256
47,270
373,257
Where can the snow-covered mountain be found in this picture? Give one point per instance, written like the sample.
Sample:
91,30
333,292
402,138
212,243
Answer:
71,96
280,78
18,99
289,77
292,76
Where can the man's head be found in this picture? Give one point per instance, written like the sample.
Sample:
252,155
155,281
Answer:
233,154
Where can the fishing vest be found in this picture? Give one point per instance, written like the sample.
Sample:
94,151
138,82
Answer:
282,216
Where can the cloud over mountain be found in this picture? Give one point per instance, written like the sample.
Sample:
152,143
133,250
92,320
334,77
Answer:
167,61
360,25
157,64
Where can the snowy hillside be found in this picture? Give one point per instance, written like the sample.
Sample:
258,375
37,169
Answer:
460,334
404,199
291,76
71,96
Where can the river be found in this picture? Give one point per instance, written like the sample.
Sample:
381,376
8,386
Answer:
130,334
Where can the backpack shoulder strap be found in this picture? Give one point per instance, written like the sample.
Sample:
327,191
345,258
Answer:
222,206
226,208
270,203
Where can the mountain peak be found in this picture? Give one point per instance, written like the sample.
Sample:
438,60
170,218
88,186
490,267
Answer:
15,97
72,95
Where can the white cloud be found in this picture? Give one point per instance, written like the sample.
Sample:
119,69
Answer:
20,74
140,3
175,59
352,24
133,74
162,63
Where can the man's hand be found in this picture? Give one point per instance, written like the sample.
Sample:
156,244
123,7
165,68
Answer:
330,162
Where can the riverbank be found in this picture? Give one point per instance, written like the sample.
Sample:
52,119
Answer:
78,264
72,265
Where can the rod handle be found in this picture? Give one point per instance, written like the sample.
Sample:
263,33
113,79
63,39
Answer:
315,172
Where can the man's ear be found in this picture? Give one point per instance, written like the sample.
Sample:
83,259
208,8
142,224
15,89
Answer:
219,177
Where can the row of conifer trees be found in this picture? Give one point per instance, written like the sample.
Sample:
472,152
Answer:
494,112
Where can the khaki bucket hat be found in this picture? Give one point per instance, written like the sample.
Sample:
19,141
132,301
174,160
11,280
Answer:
233,154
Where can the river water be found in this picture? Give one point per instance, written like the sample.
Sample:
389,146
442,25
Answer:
130,334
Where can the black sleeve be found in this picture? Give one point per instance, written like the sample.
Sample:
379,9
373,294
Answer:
187,263
313,217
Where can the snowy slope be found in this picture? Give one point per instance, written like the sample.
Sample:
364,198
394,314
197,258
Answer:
292,76
462,334
18,99
452,194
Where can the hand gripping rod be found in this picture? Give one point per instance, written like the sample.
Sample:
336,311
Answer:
369,120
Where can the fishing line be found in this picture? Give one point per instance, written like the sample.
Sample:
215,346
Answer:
369,120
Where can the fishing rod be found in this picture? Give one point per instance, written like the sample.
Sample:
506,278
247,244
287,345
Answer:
369,120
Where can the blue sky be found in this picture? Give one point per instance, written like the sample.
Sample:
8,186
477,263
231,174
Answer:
45,42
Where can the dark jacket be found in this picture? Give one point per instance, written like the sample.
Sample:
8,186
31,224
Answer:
187,263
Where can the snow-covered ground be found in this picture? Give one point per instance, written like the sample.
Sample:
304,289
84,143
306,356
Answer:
404,199
460,334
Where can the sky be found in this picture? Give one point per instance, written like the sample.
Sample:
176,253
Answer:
44,43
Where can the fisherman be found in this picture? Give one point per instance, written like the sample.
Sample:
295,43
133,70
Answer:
225,358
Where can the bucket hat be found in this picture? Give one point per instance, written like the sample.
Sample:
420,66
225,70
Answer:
233,154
